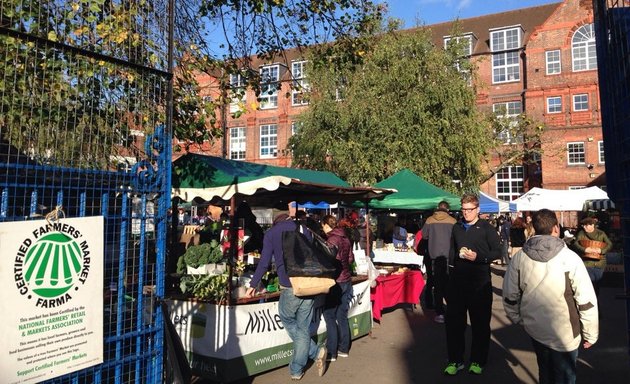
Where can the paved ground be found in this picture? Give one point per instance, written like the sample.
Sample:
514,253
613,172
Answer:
408,347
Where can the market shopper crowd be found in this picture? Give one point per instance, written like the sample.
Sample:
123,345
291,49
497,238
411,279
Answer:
549,287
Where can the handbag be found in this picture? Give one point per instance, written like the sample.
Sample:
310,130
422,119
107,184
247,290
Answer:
310,286
309,257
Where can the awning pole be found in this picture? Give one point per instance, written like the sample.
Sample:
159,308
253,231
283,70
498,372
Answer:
368,241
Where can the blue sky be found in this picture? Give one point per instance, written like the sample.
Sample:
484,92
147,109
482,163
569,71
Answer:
437,11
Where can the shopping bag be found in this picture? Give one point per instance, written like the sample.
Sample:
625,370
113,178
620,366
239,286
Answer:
310,286
309,257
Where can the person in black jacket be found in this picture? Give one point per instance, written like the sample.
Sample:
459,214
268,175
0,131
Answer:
475,244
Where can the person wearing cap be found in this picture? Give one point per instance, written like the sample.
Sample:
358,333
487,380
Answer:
592,244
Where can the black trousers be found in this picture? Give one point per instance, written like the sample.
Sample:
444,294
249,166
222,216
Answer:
435,287
467,298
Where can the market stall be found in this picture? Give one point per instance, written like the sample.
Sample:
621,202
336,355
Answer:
401,286
401,279
488,204
231,337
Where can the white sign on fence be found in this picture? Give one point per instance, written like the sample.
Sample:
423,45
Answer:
51,289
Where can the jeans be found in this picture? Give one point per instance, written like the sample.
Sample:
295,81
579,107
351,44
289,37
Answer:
296,314
555,367
436,283
336,317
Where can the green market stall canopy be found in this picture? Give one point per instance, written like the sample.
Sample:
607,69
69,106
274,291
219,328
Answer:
413,193
216,180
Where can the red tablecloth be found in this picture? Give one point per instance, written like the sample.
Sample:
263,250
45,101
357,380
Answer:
395,289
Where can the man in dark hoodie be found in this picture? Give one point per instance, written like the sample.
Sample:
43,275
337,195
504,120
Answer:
475,244
437,232
547,290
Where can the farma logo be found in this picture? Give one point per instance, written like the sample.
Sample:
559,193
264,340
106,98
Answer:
51,266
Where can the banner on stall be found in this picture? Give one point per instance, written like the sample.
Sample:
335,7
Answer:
229,343
51,286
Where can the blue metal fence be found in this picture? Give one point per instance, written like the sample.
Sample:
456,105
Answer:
85,130
612,31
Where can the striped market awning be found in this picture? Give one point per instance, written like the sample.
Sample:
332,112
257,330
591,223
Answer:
598,205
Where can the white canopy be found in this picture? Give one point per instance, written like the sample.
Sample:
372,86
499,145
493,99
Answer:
557,200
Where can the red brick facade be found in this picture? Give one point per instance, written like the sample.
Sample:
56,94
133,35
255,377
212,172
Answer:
540,29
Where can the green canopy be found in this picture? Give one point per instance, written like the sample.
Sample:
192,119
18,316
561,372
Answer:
216,179
413,193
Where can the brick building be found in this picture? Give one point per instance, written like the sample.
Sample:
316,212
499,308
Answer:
539,60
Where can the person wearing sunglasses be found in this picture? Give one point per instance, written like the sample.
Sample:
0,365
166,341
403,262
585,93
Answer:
475,243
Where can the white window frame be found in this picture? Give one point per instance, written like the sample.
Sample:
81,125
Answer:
295,127
509,110
269,81
548,102
583,53
238,143
580,103
510,182
268,141
573,151
553,65
506,62
300,84
601,156
237,92
466,56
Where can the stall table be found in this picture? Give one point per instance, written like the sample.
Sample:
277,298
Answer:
383,256
226,343
397,288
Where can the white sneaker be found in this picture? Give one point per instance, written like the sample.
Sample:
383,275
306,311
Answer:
439,319
342,354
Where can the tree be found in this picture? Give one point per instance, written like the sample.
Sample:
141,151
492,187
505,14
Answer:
221,38
408,104
518,140
66,98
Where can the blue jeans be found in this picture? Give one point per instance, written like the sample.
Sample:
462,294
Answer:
296,314
555,367
336,317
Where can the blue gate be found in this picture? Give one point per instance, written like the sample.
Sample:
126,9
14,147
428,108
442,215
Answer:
85,89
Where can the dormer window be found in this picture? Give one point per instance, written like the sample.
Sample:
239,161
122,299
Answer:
505,44
467,42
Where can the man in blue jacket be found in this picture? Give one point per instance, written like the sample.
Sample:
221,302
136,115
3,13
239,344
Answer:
295,312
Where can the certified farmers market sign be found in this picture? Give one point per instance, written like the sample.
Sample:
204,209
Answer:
51,263
51,280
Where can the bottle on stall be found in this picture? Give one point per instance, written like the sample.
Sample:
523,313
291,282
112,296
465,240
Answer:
355,327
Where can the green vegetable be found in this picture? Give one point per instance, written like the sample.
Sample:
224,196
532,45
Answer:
205,287
198,255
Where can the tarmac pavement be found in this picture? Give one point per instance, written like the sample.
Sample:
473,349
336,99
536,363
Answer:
409,347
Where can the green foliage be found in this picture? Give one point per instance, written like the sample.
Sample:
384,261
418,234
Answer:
63,107
244,31
519,140
198,255
205,287
406,105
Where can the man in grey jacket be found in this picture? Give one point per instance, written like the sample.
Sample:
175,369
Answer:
547,290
